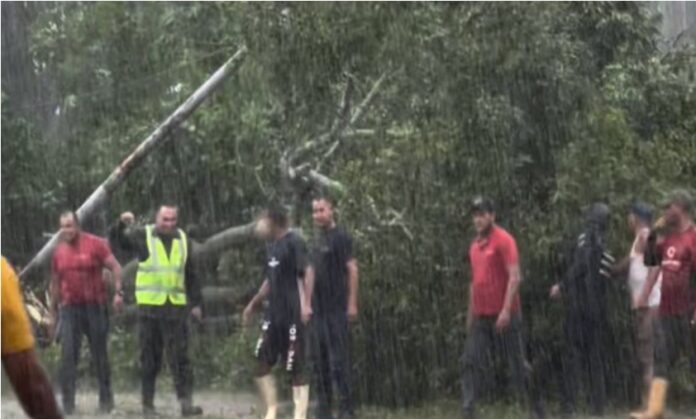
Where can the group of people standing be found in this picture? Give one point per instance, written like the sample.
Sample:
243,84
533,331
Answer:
310,294
659,267
311,297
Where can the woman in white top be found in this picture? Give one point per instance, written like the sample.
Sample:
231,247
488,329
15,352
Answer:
639,219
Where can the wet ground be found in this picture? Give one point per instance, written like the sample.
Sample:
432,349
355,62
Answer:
219,405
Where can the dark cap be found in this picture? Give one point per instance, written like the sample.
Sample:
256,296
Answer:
642,211
680,197
482,204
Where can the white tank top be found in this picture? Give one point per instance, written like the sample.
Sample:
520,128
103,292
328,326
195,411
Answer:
638,273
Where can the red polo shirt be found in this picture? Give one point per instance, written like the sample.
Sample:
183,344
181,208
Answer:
78,266
490,258
678,252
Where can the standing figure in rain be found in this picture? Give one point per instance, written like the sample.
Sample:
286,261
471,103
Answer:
583,291
675,257
335,271
79,298
282,331
633,265
167,292
494,319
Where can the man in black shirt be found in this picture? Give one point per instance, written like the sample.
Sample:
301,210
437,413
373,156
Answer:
282,332
162,308
335,272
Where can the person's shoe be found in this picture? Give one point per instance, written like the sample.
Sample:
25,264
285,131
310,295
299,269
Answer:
149,411
323,412
106,408
656,402
537,412
188,409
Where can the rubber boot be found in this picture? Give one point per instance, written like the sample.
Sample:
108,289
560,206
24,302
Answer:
300,395
656,401
269,395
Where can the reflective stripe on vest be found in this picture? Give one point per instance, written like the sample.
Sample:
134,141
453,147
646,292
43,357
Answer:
162,277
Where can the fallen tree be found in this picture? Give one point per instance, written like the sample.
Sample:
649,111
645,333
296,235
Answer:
159,136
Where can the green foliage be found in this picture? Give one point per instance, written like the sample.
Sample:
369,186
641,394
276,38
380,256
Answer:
545,107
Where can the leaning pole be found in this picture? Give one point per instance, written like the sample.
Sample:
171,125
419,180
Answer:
97,199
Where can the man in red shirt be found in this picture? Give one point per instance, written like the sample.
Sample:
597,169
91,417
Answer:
494,321
675,257
79,289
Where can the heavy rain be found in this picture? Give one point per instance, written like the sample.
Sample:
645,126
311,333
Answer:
349,210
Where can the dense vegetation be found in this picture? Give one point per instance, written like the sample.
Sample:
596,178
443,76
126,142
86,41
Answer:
544,107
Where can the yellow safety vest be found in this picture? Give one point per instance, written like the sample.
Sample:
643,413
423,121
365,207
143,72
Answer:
162,277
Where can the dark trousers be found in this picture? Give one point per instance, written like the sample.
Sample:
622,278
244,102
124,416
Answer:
672,337
483,345
158,334
91,320
331,361
583,362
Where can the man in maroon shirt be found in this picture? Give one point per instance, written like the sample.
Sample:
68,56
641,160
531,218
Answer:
494,321
79,289
675,257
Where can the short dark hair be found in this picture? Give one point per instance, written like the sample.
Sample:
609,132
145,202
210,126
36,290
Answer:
277,214
70,213
681,198
327,198
167,205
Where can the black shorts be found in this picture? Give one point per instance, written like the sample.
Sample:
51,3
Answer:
284,341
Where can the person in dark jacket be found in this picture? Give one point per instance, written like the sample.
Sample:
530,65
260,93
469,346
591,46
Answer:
583,291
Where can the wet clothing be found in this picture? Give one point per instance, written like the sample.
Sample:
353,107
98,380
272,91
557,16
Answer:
157,336
644,324
638,272
584,285
285,265
92,321
584,362
671,340
676,256
332,362
485,345
282,332
79,266
163,328
282,341
16,330
490,258
584,289
331,252
135,241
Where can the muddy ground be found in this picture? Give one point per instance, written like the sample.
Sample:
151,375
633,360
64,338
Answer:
219,405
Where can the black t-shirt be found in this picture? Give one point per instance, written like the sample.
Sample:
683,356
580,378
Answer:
331,251
285,264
